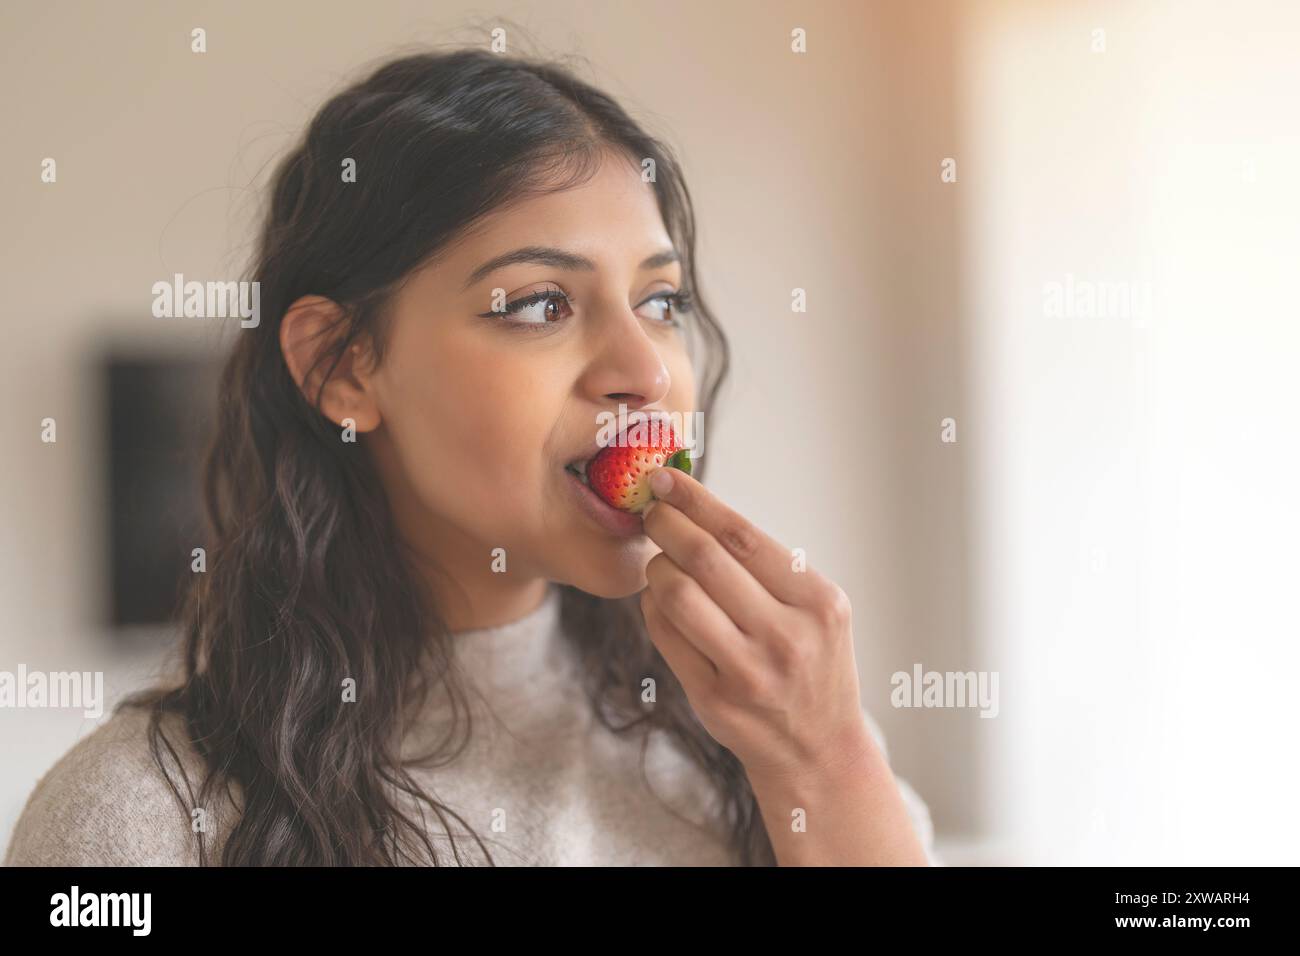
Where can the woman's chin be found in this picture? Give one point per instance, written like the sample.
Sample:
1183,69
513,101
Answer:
617,572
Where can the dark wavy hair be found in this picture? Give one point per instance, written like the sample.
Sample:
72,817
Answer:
306,580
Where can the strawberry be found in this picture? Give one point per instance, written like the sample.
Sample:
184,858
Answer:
620,472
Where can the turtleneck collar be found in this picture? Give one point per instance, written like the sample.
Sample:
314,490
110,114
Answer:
510,656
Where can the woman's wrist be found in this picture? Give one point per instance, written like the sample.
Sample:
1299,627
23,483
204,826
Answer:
843,808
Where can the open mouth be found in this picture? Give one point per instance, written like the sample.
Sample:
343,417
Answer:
579,470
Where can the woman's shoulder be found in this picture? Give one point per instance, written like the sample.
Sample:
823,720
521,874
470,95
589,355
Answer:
107,802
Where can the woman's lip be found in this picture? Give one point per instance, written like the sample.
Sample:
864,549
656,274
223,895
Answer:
616,522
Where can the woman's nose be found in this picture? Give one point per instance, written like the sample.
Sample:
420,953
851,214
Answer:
627,365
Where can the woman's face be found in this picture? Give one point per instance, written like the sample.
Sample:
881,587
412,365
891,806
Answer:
480,410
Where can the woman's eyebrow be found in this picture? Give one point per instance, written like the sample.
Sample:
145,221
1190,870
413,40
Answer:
560,259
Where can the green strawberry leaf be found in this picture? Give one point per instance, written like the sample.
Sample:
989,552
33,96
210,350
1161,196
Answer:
681,460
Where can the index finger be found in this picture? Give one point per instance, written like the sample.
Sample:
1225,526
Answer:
769,561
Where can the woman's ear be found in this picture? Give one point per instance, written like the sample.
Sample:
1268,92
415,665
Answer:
311,325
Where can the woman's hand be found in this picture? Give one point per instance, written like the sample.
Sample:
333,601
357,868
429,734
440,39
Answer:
764,650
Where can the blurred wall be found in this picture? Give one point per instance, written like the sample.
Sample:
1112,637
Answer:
1131,226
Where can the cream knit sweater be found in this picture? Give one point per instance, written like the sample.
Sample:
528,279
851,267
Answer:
542,782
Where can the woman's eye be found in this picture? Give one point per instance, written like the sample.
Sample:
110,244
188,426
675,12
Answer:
670,305
540,308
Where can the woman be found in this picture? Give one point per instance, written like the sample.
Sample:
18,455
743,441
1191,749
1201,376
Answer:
419,638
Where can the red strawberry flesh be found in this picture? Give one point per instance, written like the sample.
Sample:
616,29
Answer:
619,473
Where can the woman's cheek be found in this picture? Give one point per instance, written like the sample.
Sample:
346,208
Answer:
488,466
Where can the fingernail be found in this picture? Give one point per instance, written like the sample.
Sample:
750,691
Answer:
661,481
